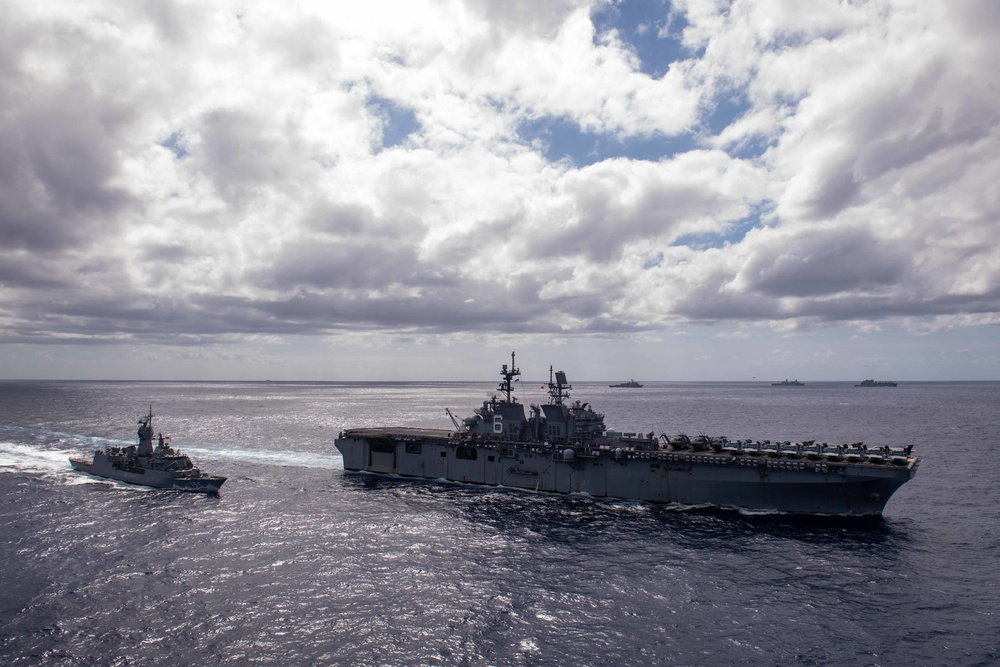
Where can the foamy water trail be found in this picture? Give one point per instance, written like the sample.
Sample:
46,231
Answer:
50,453
27,457
18,457
262,457
53,463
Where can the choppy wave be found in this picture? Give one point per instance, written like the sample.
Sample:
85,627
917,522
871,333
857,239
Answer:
295,564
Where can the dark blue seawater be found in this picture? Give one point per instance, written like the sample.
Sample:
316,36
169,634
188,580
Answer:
298,563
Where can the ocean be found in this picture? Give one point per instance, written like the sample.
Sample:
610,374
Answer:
298,563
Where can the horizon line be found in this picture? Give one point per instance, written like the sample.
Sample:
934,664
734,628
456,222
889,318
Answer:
386,381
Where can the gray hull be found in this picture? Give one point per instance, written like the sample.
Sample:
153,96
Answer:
157,479
781,484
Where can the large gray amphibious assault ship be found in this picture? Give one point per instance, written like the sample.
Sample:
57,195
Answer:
564,447
161,467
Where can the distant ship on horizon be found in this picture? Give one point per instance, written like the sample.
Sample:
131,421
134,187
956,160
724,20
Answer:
631,384
873,383
788,383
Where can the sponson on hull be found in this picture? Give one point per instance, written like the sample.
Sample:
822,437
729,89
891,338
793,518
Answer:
161,467
563,446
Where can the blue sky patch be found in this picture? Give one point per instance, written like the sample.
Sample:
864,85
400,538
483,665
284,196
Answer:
732,234
727,106
649,28
653,262
753,148
173,144
560,138
398,122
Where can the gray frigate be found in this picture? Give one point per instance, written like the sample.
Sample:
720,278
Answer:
160,467
565,447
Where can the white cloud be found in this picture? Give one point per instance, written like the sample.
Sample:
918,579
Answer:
226,165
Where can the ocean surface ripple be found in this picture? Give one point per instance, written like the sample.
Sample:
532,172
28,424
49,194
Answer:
298,562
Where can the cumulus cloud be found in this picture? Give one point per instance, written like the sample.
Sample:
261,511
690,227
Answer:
174,172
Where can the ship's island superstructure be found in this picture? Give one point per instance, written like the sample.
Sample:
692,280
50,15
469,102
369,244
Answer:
565,447
161,467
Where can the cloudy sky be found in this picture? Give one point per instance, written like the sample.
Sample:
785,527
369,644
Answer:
326,190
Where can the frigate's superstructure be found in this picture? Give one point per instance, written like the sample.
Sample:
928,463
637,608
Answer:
161,467
564,447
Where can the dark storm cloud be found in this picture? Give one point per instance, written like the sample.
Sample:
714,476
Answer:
240,155
838,189
339,219
876,308
485,235
351,265
126,318
820,272
492,308
171,20
892,147
371,286
58,157
819,263
475,306
715,308
348,247
543,18
170,253
980,20
29,270
433,313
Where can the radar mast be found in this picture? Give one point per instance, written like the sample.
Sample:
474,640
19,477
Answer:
506,385
558,389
